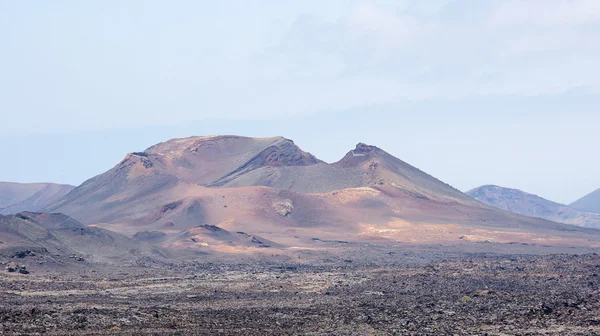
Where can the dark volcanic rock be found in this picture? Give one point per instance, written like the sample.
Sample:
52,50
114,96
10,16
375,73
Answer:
464,295
149,236
15,268
12,267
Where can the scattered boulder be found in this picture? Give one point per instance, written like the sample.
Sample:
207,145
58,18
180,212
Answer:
545,309
12,267
15,268
76,257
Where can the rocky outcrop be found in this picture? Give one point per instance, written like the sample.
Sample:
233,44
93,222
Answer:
283,208
15,268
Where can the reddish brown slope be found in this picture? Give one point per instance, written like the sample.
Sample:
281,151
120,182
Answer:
141,181
144,183
382,168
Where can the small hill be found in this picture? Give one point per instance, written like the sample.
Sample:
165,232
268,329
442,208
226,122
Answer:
522,203
18,197
590,202
212,237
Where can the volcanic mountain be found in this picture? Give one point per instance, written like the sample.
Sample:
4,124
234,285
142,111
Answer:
268,187
589,202
522,203
18,197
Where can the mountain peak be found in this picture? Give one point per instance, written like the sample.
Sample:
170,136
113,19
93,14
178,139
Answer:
362,147
137,157
361,153
492,188
590,202
214,160
491,191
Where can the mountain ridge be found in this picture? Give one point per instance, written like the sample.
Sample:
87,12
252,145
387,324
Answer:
523,203
18,197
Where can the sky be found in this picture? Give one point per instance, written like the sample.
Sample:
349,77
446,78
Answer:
473,92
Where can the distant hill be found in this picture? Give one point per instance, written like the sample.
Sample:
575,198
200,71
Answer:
522,203
200,192
60,235
18,197
590,202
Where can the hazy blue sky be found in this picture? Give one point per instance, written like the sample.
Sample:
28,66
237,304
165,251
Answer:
473,92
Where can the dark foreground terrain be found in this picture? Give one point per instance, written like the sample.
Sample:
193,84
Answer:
475,294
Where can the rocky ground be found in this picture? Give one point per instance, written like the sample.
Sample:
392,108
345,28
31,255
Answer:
472,294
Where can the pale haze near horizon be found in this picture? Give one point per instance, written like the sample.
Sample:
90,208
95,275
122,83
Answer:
472,92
